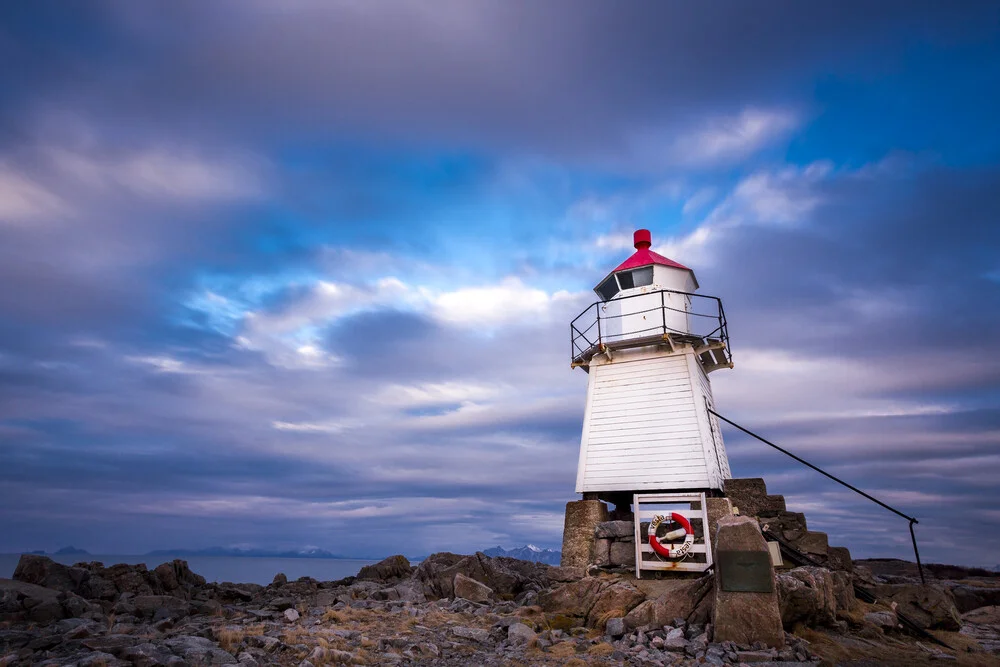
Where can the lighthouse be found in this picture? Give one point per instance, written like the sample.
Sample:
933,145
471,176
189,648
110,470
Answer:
649,344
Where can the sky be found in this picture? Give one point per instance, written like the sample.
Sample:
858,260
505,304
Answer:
300,274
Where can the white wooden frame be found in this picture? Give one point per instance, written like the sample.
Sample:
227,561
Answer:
642,545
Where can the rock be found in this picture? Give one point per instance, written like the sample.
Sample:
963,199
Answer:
98,659
616,599
565,574
279,579
883,619
147,655
968,598
475,634
678,603
615,627
265,643
43,571
582,518
508,577
470,589
929,606
36,603
391,568
621,554
615,530
600,553
150,606
675,640
199,651
291,615
520,634
814,602
247,660
738,616
233,592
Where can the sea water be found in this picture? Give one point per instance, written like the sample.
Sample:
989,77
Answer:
237,569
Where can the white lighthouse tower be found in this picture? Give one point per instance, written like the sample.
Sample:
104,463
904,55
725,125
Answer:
649,345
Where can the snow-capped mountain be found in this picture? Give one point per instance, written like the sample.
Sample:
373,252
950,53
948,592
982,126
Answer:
527,552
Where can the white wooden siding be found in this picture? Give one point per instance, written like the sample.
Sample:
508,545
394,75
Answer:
720,447
643,427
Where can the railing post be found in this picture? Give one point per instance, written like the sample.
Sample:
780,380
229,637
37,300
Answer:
663,312
597,311
916,552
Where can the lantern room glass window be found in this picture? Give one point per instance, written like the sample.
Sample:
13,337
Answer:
608,288
623,280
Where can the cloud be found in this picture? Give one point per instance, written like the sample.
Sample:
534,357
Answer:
720,140
169,174
23,201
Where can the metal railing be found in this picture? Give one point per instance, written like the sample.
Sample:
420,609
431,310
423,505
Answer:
875,500
704,318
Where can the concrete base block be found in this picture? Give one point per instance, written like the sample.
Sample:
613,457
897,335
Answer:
738,616
582,517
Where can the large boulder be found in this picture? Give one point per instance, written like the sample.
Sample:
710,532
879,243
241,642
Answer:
592,600
507,577
23,601
681,601
43,571
806,595
389,569
968,598
930,606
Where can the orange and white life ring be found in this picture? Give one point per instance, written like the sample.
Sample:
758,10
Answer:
670,551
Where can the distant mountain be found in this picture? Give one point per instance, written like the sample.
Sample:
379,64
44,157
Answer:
72,551
527,552
305,552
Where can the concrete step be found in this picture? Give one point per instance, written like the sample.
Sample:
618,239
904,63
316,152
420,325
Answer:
749,494
751,497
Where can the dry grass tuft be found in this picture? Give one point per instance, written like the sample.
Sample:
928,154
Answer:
601,649
230,637
563,650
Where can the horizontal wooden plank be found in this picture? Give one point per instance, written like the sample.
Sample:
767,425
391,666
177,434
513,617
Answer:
603,469
639,485
637,394
647,514
651,451
626,368
695,548
643,410
638,464
649,456
663,424
693,477
605,472
684,566
665,434
651,379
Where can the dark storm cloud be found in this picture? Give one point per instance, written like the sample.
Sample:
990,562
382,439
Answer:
585,80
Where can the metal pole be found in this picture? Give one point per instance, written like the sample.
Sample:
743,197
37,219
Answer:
663,312
916,552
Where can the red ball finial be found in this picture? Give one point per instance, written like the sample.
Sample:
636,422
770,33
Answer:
642,239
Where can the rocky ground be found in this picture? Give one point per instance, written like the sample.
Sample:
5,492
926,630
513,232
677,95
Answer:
467,610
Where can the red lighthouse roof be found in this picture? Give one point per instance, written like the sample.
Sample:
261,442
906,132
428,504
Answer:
643,256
